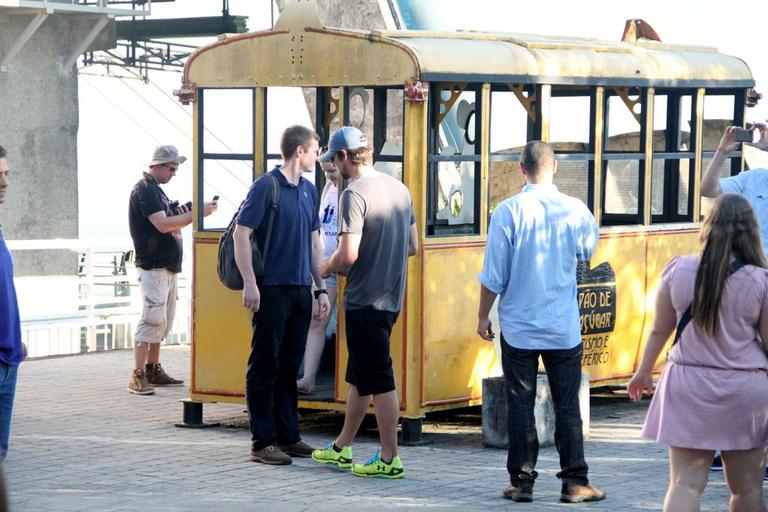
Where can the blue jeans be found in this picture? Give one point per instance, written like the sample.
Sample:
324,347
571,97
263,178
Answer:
7,392
564,373
280,329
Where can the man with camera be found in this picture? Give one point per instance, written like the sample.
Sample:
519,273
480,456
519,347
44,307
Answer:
281,299
155,224
753,184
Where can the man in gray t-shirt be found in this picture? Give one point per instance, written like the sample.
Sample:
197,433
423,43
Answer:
377,233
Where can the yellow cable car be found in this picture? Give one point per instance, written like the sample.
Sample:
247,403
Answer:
633,124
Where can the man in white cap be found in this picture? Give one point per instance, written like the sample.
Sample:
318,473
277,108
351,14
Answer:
155,224
377,233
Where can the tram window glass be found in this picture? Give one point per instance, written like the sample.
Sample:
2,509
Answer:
569,123
228,179
622,187
225,164
454,161
622,125
286,106
228,115
378,113
673,151
718,115
571,138
509,126
682,168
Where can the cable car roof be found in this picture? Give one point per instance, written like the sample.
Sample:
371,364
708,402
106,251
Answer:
299,51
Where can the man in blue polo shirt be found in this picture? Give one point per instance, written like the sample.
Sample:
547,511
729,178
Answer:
534,242
281,300
12,350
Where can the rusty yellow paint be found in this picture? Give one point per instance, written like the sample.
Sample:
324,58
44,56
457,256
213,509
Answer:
221,328
699,149
415,126
456,359
195,165
544,93
485,157
648,150
259,142
597,206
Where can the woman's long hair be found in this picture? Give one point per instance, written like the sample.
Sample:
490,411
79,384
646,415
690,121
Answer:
730,229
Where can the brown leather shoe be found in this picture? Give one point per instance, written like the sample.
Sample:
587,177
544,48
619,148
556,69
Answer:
138,384
576,493
521,493
157,376
300,449
271,455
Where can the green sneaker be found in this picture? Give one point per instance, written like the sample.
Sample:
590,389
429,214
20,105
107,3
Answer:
377,468
342,459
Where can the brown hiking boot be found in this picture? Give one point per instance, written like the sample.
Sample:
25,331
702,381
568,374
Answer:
271,455
576,493
300,449
157,376
139,384
521,493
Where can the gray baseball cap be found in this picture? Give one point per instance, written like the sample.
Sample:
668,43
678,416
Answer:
347,137
165,154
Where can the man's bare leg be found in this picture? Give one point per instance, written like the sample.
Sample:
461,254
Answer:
355,411
141,351
154,353
387,409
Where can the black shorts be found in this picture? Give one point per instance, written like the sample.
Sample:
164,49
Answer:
369,366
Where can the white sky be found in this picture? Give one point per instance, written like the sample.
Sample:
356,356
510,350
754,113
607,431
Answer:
121,120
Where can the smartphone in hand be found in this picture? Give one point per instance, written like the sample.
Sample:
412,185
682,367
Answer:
215,199
746,135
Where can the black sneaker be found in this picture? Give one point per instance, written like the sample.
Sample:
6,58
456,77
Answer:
577,493
521,492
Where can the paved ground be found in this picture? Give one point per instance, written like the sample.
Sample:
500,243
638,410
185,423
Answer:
80,442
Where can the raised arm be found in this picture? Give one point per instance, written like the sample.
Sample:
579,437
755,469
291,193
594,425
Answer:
710,180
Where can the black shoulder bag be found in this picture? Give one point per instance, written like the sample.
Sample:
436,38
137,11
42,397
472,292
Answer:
226,266
686,318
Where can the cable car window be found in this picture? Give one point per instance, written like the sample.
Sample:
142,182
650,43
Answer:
509,128
225,162
454,161
720,112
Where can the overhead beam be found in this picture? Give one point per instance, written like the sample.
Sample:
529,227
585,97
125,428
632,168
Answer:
181,27
22,40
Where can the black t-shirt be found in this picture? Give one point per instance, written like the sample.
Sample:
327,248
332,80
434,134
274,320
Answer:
153,248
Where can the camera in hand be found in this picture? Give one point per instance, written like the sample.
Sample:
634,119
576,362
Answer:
745,135
176,210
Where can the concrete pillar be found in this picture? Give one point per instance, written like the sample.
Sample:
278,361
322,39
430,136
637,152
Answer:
495,411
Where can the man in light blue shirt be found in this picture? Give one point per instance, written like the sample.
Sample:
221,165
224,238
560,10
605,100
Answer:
752,184
534,242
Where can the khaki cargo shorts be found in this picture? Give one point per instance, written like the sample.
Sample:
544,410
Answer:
158,287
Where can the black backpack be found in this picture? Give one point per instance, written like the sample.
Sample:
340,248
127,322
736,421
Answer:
229,273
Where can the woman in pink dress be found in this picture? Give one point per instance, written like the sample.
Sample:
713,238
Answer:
713,392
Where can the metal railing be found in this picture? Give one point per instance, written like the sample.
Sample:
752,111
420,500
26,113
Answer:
95,310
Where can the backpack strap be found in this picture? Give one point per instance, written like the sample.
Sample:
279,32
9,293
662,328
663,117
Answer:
687,315
272,211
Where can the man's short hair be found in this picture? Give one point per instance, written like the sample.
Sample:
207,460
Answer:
535,155
295,136
361,156
3,152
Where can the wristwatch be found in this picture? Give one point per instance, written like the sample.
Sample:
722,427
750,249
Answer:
319,292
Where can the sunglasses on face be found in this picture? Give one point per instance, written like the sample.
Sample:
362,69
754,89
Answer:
171,168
